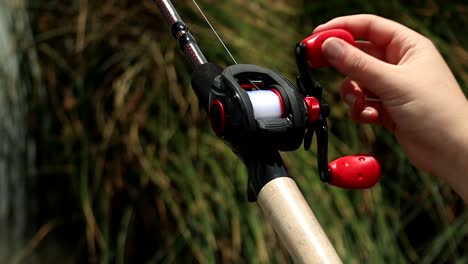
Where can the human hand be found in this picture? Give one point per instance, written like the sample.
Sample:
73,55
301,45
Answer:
420,100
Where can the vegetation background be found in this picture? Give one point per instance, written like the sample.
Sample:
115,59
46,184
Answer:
128,170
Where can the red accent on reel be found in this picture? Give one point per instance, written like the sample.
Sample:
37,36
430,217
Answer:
247,86
313,108
217,117
283,110
354,172
314,45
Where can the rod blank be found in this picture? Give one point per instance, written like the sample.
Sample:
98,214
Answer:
185,40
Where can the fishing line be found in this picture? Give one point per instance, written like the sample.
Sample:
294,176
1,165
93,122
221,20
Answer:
214,31
220,40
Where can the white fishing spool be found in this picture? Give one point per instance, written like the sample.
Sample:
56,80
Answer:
267,104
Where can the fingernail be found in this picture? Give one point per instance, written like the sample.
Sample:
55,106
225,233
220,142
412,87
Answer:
370,115
350,99
332,49
368,111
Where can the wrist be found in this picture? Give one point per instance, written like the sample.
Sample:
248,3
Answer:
454,165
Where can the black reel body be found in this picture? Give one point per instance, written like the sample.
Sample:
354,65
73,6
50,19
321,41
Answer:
258,113
234,114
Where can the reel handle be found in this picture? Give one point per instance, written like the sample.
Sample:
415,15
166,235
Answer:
313,43
360,171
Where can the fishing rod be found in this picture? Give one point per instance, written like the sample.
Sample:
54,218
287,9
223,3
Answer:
259,113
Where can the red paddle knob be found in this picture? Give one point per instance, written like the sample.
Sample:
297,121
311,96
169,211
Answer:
314,45
354,172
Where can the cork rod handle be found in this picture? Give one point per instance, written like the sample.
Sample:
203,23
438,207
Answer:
295,223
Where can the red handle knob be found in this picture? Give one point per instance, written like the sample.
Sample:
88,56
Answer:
314,45
354,172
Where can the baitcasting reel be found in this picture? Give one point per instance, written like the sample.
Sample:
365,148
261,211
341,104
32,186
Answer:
250,106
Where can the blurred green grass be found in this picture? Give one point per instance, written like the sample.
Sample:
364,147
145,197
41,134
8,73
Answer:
130,172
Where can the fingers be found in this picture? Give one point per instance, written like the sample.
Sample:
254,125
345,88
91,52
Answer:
371,49
360,66
378,30
361,110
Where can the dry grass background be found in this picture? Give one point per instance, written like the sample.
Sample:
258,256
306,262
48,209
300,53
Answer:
129,172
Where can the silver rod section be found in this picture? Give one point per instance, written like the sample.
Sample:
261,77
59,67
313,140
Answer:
194,54
288,212
167,11
180,31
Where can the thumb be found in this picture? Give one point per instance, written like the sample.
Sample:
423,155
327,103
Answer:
357,65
